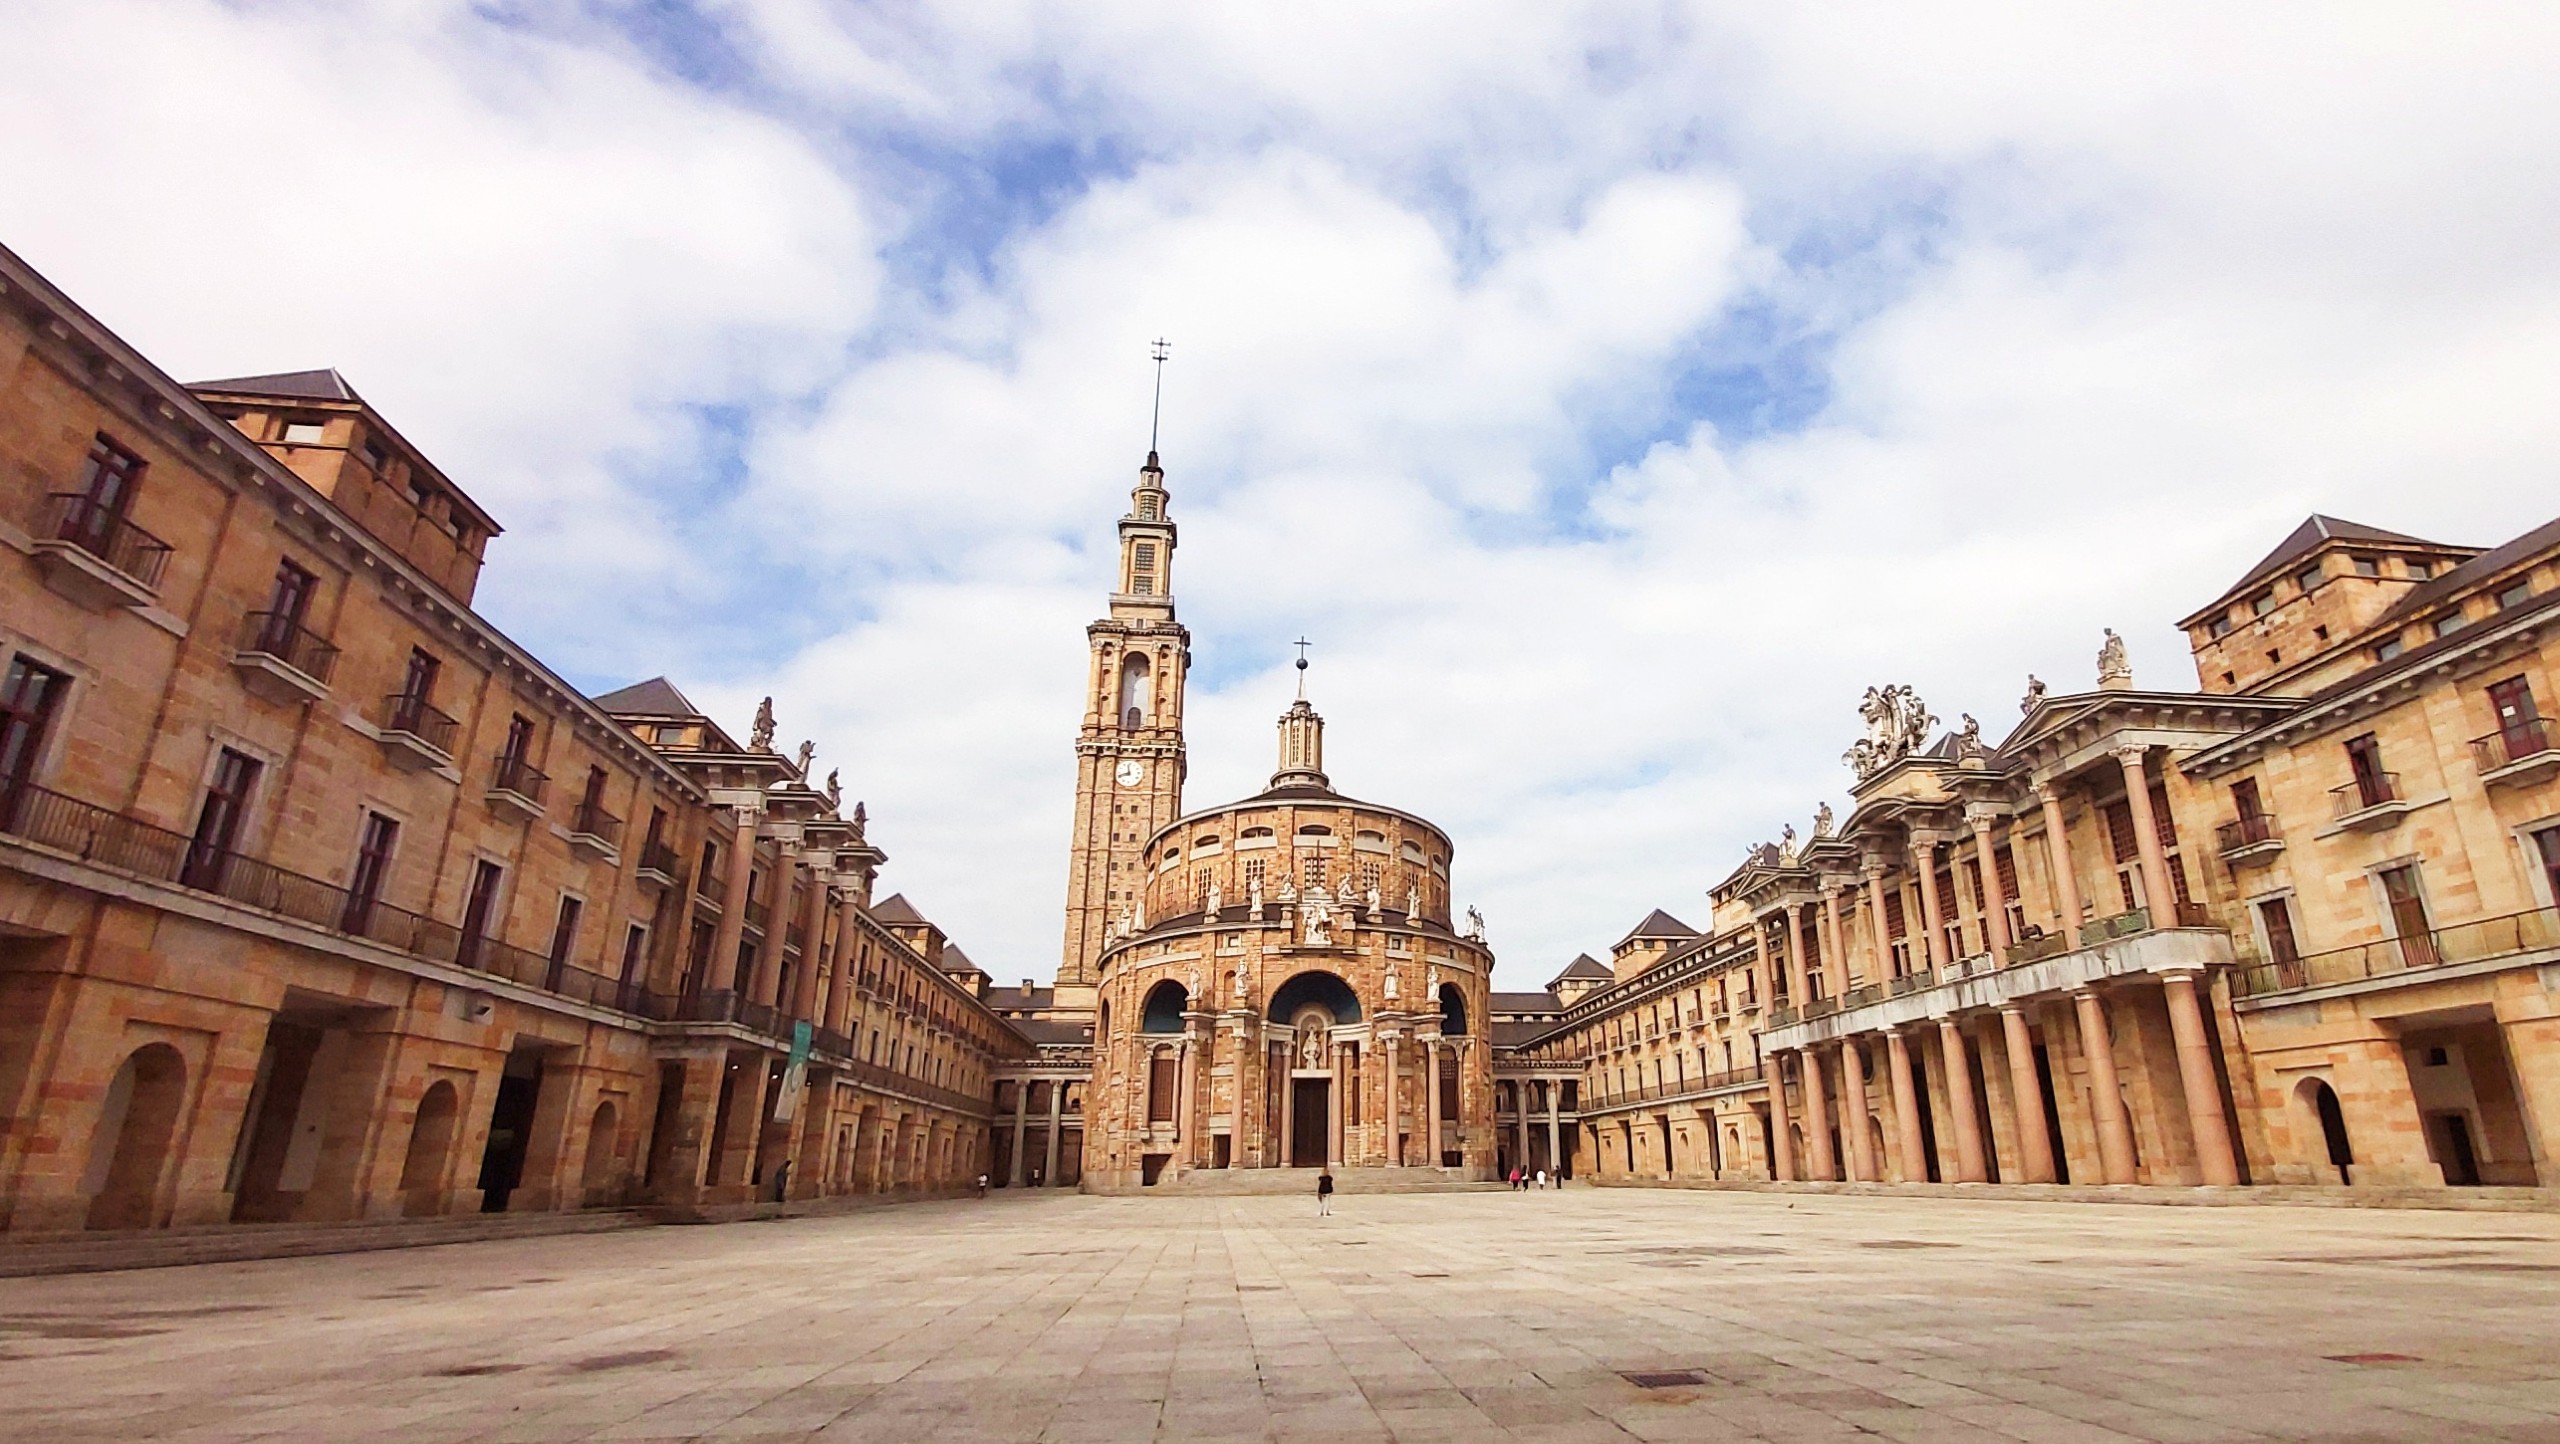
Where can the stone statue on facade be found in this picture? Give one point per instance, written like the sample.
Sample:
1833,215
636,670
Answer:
1412,903
1311,1044
1373,902
1199,988
2114,669
1216,900
1240,985
801,759
1318,915
1970,737
1392,982
1822,821
1898,724
1253,895
1288,889
861,819
835,787
2035,694
1431,982
760,739
1787,846
1475,926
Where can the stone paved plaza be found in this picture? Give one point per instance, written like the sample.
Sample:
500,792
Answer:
1471,1316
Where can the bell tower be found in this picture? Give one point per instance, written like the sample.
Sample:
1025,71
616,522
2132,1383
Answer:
1129,757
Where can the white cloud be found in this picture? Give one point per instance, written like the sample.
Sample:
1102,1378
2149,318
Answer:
2097,303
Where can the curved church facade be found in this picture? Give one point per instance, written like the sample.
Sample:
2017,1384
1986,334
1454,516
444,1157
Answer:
1276,982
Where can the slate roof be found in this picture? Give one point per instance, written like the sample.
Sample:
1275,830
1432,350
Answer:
896,909
1538,1002
1512,1035
2301,542
2466,574
1659,924
1050,1030
956,961
1585,966
1003,999
656,697
321,385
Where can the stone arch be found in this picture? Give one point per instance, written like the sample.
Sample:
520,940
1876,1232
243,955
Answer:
130,1152
596,1183
2321,1102
1453,1011
1318,988
422,1169
1137,693
1167,1001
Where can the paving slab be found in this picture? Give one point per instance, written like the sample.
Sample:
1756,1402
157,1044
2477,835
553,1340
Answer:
1461,1316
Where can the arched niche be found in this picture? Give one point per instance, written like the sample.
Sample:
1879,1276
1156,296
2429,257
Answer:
1137,696
1317,988
1453,1011
1166,1003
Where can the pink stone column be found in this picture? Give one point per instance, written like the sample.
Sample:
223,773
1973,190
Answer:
848,944
1807,965
1782,1148
1995,920
1906,1109
2098,1052
2159,894
1817,1118
1879,945
1431,1103
721,967
1835,953
1853,1113
1395,1108
2026,1094
2195,1072
1933,917
813,948
2057,847
1969,1164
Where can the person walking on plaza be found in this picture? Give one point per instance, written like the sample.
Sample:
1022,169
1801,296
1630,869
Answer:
982,1185
1542,1178
1324,1194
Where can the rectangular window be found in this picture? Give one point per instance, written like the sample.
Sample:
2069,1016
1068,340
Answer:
304,433
635,950
479,911
2408,915
288,606
2368,566
27,703
2262,603
2421,568
2515,593
2308,578
2546,844
2218,627
2451,623
417,689
2520,730
226,802
2387,649
2277,919
106,494
2121,839
373,865
564,929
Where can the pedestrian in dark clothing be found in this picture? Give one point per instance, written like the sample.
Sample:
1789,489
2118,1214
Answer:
1324,1194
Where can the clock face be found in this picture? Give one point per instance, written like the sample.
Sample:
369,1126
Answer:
1131,773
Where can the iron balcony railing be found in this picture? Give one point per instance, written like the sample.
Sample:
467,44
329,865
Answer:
2364,794
518,775
278,635
2525,737
593,821
759,914
1675,1088
2475,941
408,712
659,858
77,518
2247,830
93,834
712,888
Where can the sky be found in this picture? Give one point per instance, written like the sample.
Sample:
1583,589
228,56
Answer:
1612,392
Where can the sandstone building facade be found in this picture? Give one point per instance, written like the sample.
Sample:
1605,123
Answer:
322,899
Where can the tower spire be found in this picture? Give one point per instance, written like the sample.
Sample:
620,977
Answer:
1301,738
1155,414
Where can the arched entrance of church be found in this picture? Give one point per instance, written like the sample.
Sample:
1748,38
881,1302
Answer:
1312,1005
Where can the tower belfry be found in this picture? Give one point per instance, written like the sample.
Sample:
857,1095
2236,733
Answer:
1129,752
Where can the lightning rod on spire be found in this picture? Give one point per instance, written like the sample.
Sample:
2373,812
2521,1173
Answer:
1159,350
1302,644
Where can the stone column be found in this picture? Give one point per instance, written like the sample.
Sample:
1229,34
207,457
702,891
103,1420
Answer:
1995,920
1555,1129
1057,1120
2026,1094
1333,1107
1853,1114
726,938
1431,1103
2159,894
848,946
1933,917
1186,1069
1835,953
1021,1123
813,947
1289,1112
1782,1148
1908,1100
1969,1167
1817,1118
767,984
2057,847
1395,1109
1878,943
2098,1051
2195,1073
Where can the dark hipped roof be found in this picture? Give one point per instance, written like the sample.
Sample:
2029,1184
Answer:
1005,998
956,961
2307,538
1659,924
896,909
656,697
1585,966
1538,1002
322,385
1512,1035
1051,1030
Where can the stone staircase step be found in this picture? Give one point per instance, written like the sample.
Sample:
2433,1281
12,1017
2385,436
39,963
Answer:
231,1243
1246,1182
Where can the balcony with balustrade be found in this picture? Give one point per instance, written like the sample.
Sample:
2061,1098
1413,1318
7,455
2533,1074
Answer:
595,834
2252,837
93,555
414,735
2512,940
517,788
2519,754
2369,803
282,661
